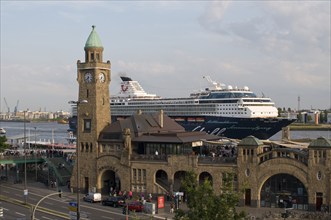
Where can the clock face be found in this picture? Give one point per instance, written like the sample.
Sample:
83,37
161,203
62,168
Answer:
102,77
88,77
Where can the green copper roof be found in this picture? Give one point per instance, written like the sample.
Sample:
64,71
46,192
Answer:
93,40
250,141
320,142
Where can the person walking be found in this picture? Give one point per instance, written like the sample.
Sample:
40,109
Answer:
171,208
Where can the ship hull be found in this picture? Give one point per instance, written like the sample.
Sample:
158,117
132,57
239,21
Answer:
238,128
235,128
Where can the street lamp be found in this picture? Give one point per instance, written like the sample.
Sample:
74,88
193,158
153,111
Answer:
77,103
35,147
25,192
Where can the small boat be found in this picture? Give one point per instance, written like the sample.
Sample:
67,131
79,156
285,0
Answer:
62,121
2,131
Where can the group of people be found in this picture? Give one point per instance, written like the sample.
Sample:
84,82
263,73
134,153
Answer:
125,194
227,151
129,195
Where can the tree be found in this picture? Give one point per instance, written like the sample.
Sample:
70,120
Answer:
203,203
3,144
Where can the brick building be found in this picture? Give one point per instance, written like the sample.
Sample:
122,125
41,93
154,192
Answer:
150,153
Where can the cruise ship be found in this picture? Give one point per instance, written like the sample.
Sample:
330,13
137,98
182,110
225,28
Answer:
219,109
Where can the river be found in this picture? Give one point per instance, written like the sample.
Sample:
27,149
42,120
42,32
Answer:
37,131
47,131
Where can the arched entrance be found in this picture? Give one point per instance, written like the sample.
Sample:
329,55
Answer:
178,177
161,177
284,191
205,175
110,181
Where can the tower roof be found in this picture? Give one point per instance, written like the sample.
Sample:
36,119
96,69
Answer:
250,141
320,142
93,40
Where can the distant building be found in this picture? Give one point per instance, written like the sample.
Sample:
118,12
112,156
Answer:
328,119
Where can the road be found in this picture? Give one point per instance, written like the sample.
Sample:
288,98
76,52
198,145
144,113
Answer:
53,207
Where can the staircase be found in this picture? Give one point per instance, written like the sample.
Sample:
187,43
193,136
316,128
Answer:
61,169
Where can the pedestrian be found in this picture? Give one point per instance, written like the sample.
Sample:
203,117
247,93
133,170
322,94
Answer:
130,194
171,208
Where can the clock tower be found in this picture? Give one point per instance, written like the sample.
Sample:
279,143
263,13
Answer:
93,77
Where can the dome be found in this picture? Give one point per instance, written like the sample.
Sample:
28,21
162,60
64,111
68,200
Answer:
250,141
93,40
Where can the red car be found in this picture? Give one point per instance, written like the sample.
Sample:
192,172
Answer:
136,206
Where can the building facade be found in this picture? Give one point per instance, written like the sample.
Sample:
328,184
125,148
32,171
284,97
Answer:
150,153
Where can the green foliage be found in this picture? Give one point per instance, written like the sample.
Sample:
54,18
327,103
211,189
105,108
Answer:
3,144
202,203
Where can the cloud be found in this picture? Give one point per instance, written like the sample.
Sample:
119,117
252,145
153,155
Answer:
213,16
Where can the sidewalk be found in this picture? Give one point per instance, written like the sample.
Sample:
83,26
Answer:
253,213
32,184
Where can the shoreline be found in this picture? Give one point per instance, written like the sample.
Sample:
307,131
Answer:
310,127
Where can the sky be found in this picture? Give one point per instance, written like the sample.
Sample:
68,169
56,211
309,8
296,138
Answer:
279,49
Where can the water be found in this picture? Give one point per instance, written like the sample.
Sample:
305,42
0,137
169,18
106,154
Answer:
37,131
47,131
312,134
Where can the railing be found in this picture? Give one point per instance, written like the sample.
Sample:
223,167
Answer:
216,160
149,157
293,154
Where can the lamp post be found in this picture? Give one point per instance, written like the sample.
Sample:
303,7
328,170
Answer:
35,147
25,192
77,103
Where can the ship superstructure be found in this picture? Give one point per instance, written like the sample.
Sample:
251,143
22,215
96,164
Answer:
219,109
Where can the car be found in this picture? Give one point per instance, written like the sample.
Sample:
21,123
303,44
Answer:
115,201
136,206
92,197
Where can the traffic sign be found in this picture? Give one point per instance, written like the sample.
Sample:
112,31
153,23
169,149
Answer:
74,204
72,209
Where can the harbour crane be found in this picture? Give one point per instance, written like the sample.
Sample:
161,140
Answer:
16,108
8,109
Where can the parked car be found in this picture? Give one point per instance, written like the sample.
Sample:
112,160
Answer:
136,206
115,201
92,197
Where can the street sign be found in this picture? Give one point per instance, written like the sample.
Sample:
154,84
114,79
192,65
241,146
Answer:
72,210
74,204
25,192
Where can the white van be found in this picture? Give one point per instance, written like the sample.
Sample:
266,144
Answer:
92,197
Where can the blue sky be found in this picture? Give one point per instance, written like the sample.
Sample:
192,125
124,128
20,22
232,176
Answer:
278,48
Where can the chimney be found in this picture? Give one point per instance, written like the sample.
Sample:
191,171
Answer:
161,118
